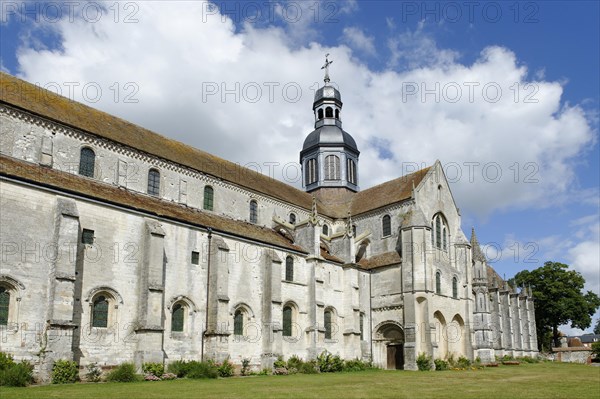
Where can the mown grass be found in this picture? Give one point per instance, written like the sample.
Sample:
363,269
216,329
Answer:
543,380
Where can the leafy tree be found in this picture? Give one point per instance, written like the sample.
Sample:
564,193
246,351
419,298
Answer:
597,328
558,299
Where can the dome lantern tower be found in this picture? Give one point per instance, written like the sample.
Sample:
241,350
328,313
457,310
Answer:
329,156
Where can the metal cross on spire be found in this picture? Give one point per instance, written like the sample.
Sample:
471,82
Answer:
326,68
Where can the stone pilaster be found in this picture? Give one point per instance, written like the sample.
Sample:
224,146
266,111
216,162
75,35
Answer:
271,309
150,325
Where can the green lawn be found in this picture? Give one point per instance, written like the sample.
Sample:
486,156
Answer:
544,380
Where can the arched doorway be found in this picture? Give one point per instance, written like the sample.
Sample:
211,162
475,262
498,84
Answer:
389,337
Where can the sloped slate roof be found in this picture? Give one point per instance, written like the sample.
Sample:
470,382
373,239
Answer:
381,260
33,99
152,206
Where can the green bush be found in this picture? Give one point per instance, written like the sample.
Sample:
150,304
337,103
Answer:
463,362
123,373
423,362
179,367
294,362
596,349
198,370
94,372
14,374
309,367
357,365
279,363
440,365
156,369
245,367
225,369
65,372
329,363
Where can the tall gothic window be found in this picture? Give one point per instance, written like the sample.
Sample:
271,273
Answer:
87,162
439,232
287,321
438,283
327,322
332,167
153,182
177,318
351,171
4,304
238,322
289,268
100,312
311,172
454,287
253,212
208,198
325,230
386,225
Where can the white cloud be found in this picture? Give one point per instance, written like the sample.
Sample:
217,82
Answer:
357,39
174,58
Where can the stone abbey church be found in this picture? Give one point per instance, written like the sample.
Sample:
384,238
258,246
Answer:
195,257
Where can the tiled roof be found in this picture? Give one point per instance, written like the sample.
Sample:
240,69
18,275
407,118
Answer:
152,206
33,99
381,260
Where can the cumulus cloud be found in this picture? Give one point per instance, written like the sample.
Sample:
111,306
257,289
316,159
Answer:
358,40
244,92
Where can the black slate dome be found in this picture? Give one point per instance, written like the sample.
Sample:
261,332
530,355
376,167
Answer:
329,135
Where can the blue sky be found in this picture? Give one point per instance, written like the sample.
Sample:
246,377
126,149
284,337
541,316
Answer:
176,59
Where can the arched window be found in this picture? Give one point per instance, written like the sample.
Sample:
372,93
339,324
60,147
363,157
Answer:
351,171
328,112
154,182
326,230
289,268
327,322
337,114
362,326
332,167
454,287
386,225
311,173
208,198
353,230
287,321
87,162
238,322
4,305
253,211
439,232
177,318
292,219
438,283
320,113
100,312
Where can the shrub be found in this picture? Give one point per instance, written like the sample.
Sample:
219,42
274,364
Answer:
356,365
245,366
93,372
156,369
440,365
125,372
463,362
596,349
294,362
329,363
423,362
279,363
65,372
14,374
179,367
309,367
198,370
225,369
